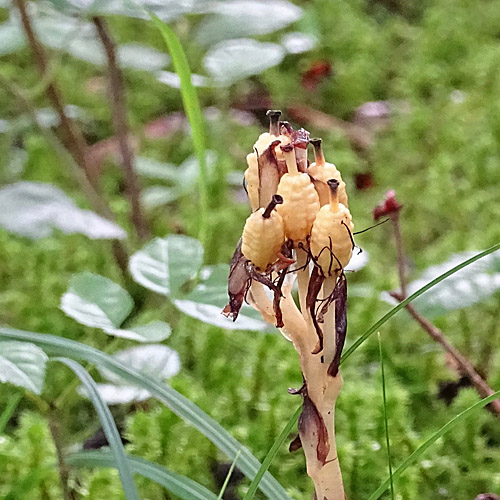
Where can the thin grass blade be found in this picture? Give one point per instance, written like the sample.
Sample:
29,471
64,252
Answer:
255,484
9,410
427,444
228,477
180,486
181,406
108,426
193,112
386,424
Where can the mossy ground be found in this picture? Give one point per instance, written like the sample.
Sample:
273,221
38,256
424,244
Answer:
441,154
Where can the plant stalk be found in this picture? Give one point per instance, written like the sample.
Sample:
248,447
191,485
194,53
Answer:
121,128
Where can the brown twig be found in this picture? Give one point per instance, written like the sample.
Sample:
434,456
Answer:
401,257
55,431
464,365
120,125
71,134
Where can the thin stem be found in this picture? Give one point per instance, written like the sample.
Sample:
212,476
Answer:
55,431
121,129
437,334
401,257
72,136
481,386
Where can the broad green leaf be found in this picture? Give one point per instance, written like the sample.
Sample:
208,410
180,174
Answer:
120,394
11,38
155,331
166,10
172,79
157,196
180,486
96,301
35,209
467,287
209,297
165,264
233,60
298,43
155,360
158,361
154,169
141,57
22,364
109,428
241,18
181,406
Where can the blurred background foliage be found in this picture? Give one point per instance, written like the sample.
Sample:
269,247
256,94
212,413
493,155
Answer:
406,95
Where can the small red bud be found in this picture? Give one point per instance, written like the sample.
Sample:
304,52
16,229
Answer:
389,206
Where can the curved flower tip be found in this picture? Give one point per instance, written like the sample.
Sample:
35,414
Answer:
390,206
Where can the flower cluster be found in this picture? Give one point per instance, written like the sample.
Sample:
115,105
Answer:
299,215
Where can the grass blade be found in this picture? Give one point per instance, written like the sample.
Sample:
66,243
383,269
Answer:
389,460
181,406
254,485
180,486
425,446
228,477
9,411
193,112
108,426
412,297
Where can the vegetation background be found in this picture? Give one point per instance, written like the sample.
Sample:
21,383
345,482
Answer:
434,138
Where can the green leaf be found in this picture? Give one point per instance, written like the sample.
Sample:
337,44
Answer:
109,428
165,264
180,486
240,18
181,406
233,60
431,440
155,331
157,196
209,297
467,287
193,113
22,364
96,301
35,209
11,38
155,360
